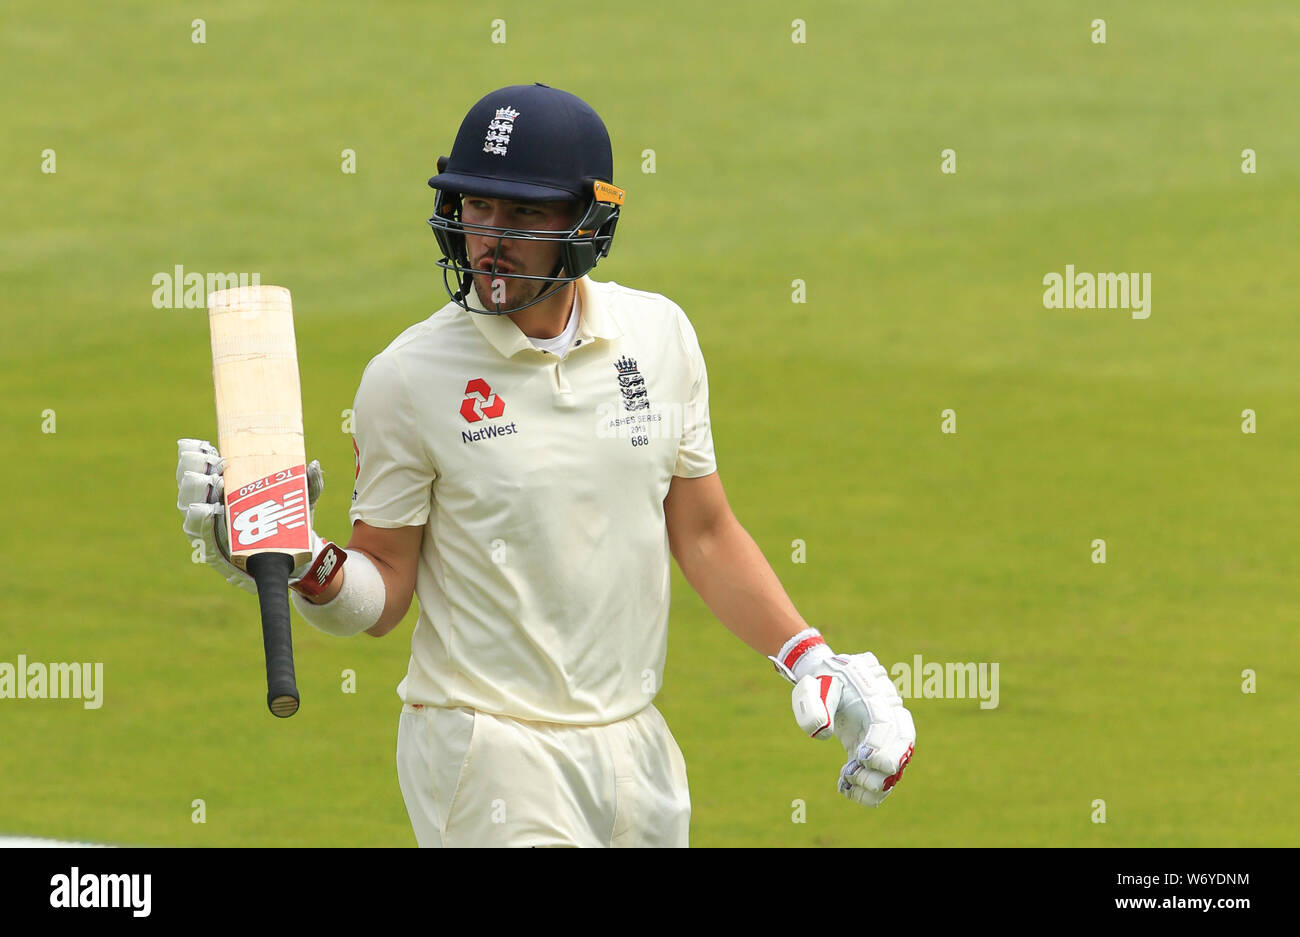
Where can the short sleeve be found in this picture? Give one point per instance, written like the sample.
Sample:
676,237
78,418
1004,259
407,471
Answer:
695,452
394,474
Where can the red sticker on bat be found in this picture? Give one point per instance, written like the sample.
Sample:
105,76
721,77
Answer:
271,513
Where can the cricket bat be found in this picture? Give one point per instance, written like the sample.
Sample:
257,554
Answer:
259,433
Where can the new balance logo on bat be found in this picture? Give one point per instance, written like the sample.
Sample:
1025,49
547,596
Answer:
270,513
263,520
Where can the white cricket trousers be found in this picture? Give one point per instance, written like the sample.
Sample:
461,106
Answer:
471,778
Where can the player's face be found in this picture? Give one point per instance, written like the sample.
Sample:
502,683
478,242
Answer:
535,258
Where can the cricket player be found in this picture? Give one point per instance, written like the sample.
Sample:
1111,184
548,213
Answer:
527,459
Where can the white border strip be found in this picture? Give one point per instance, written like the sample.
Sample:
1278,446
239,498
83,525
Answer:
32,842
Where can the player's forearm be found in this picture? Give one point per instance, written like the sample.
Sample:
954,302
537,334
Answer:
394,611
365,595
329,591
397,595
730,573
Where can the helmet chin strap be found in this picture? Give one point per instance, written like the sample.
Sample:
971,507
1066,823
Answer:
461,296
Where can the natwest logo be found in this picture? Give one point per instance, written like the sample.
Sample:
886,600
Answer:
480,403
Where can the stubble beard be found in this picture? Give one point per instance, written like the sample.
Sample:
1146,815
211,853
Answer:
518,293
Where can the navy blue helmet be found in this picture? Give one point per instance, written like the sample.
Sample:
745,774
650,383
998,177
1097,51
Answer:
528,143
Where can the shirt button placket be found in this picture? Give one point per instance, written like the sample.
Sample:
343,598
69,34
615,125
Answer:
563,391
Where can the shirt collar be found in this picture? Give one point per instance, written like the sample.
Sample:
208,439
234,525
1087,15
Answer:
594,321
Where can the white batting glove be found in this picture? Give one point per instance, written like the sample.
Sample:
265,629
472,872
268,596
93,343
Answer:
199,496
853,699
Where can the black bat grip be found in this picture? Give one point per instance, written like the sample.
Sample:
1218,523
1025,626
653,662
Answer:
271,573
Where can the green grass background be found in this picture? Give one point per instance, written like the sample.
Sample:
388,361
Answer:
775,161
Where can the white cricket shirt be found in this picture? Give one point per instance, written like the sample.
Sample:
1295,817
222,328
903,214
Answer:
544,568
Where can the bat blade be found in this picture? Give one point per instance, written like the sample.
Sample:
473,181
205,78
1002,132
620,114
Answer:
259,433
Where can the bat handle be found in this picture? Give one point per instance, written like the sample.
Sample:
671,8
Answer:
271,573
